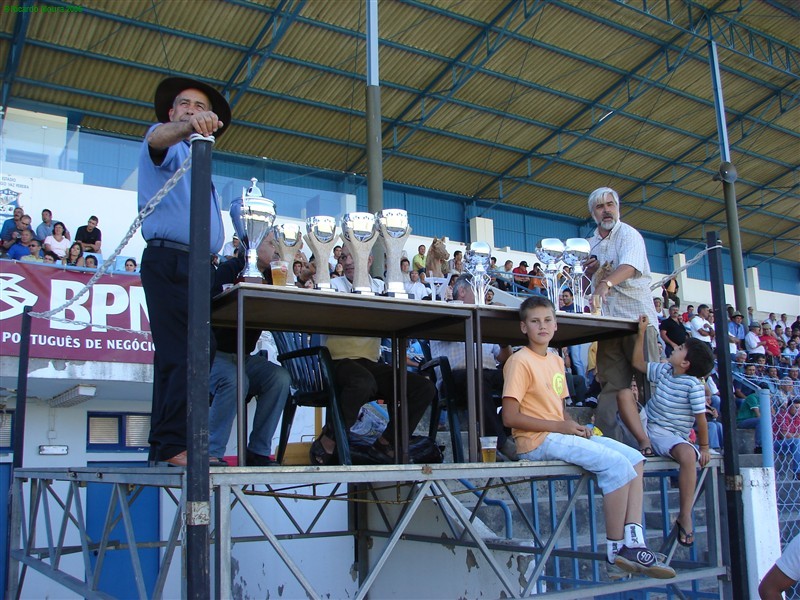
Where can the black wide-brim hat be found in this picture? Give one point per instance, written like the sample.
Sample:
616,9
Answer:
167,91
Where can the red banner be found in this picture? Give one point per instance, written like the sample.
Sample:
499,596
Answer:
115,300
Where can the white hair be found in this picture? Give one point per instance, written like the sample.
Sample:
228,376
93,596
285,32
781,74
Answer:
599,194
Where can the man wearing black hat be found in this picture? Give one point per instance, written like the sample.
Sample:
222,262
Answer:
183,107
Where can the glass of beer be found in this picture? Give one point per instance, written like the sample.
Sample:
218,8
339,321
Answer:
280,272
597,305
489,449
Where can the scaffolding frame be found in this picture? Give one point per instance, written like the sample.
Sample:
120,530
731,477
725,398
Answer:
48,513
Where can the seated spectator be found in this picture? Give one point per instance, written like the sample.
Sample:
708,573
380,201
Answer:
89,236
45,228
712,419
660,310
672,331
230,248
457,262
492,355
130,265
35,252
50,258
505,277
739,360
736,331
786,429
268,382
790,353
338,271
536,281
74,257
405,270
749,417
58,242
689,314
521,277
794,375
297,268
13,233
746,385
771,347
90,262
753,343
415,288
360,379
418,262
20,248
780,333
9,225
333,260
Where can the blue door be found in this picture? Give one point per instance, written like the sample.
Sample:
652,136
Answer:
117,576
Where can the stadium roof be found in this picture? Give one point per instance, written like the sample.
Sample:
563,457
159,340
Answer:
528,103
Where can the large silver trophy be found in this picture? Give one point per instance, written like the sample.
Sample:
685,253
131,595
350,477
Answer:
320,237
252,216
288,239
550,252
358,234
479,256
394,230
576,251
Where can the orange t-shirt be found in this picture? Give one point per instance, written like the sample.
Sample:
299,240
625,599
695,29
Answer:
539,385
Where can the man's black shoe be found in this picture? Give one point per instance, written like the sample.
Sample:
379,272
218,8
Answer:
259,460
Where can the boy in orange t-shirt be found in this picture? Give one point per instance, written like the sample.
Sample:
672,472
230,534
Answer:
533,394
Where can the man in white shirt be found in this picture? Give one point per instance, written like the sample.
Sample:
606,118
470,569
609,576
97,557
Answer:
700,328
621,281
415,287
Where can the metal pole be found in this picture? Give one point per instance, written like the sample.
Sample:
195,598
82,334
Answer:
13,535
727,174
733,479
199,341
374,134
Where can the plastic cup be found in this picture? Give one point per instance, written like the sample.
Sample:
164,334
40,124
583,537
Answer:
489,449
280,271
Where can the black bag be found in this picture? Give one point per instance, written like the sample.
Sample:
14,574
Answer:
421,450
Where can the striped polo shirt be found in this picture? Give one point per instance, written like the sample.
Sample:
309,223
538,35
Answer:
676,399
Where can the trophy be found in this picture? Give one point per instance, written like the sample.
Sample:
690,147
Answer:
550,252
394,230
358,234
477,263
320,238
252,217
288,239
576,251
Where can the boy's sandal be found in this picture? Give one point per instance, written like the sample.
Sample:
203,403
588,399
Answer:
647,452
685,538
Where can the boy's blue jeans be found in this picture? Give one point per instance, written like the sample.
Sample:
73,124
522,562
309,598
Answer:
610,460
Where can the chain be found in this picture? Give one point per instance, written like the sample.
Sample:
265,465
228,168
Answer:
666,278
107,263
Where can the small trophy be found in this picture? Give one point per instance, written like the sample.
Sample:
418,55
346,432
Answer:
550,251
576,251
321,238
394,229
358,234
477,263
252,216
288,239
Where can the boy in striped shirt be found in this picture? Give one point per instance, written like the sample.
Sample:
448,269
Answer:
677,404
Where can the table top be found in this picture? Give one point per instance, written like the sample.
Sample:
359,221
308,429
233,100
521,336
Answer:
296,309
